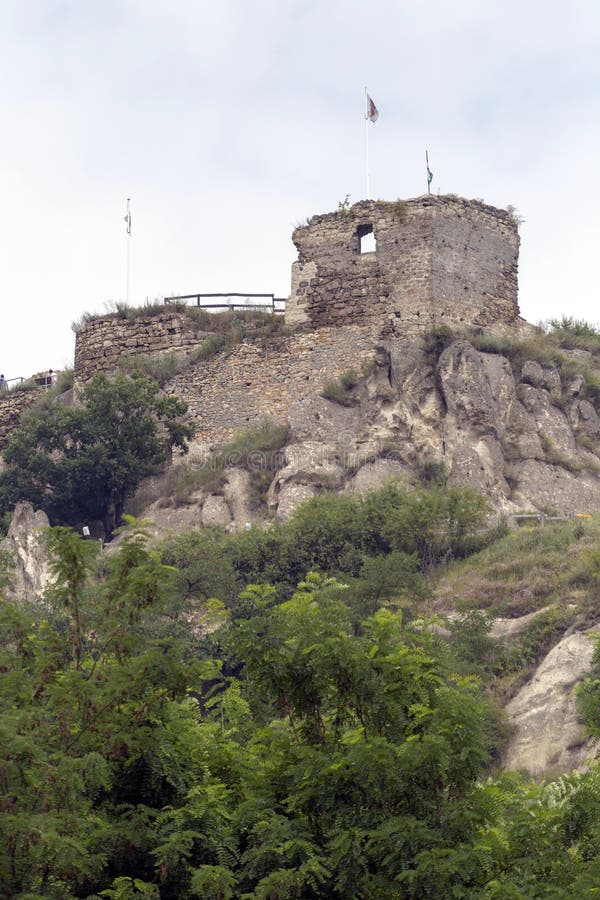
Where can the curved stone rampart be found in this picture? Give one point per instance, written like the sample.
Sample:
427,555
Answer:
102,341
12,404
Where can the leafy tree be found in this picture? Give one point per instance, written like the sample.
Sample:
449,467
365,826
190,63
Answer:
437,524
82,463
332,761
96,734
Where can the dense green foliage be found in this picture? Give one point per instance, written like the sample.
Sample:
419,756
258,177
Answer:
81,463
380,545
307,741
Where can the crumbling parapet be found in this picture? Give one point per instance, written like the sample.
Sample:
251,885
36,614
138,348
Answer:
103,340
432,261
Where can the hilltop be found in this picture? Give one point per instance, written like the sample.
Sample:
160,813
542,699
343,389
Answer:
314,666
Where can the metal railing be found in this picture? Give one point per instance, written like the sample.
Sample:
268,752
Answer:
46,379
258,302
542,518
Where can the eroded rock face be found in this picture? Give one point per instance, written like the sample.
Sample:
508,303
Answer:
512,439
215,511
548,734
524,439
29,572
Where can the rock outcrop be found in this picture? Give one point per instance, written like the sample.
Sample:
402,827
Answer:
522,440
28,563
548,735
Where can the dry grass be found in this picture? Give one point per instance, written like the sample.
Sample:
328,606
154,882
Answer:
529,568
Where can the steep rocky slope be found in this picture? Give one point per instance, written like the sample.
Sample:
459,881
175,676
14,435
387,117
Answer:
524,432
516,421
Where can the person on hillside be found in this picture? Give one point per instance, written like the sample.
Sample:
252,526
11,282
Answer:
2,383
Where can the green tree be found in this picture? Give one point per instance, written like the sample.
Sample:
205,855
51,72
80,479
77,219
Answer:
82,463
96,733
437,524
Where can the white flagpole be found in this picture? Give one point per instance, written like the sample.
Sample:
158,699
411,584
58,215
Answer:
367,144
128,220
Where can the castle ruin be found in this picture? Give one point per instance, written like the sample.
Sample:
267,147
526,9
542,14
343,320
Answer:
372,272
404,267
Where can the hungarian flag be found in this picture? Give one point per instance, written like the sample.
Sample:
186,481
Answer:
372,111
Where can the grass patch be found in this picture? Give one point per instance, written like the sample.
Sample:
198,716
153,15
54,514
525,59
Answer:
529,568
538,348
435,341
22,386
398,207
341,390
256,449
184,480
161,367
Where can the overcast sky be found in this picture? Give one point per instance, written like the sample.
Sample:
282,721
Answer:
228,122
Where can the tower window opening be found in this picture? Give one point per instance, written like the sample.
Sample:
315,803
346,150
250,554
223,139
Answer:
366,239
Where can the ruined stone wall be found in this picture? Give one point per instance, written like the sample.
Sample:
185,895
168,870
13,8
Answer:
241,386
475,259
12,404
102,341
437,259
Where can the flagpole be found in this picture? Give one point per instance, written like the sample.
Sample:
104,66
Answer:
367,144
128,220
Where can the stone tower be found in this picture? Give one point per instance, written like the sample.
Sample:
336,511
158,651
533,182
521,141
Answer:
404,267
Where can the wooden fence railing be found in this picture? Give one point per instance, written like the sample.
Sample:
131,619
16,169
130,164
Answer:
219,302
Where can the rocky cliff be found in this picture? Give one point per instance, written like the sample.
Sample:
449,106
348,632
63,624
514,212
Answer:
522,432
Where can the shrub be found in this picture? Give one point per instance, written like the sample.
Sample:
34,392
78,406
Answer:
256,449
573,333
432,472
64,381
149,308
435,341
340,390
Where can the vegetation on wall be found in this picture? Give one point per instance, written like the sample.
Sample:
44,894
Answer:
341,390
256,449
216,331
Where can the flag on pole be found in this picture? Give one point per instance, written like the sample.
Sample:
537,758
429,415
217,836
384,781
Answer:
429,172
372,111
127,218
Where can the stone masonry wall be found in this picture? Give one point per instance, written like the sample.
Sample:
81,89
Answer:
437,260
475,260
241,386
12,404
103,340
